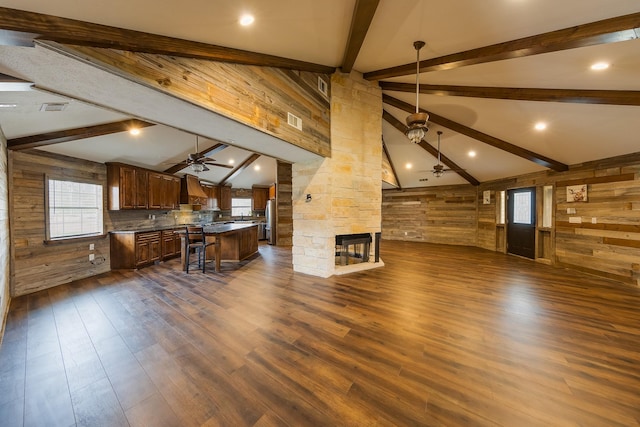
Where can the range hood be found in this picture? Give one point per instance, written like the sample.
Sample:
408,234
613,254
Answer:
191,192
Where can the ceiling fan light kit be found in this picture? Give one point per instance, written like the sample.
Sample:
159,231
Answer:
417,122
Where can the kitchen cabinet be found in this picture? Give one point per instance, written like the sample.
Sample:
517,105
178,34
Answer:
148,248
260,196
131,187
127,187
164,191
213,194
170,244
272,192
136,249
224,203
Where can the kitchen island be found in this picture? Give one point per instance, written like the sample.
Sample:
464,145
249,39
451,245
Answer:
233,243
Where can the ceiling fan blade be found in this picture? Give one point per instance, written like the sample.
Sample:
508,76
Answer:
218,165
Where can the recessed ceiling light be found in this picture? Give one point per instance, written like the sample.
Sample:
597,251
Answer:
256,167
408,166
8,105
540,126
246,20
231,161
471,153
599,66
134,131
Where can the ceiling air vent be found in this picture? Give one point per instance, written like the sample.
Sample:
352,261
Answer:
54,106
294,121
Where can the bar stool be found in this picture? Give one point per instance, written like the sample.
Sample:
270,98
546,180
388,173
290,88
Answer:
197,242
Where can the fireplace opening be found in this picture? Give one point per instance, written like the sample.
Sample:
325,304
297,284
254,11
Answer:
353,248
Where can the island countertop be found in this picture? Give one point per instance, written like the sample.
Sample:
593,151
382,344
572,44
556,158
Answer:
233,242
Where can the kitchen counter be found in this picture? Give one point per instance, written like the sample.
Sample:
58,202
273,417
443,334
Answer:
233,243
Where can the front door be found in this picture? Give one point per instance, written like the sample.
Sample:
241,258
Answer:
521,222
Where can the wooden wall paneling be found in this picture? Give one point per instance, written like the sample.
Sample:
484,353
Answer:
5,234
37,265
259,97
284,204
446,214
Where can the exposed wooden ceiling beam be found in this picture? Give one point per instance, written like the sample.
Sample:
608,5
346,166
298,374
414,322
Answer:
606,31
211,150
71,31
578,96
434,152
363,13
237,171
393,169
57,137
482,137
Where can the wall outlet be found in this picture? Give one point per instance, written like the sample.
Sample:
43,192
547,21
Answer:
92,246
92,257
594,220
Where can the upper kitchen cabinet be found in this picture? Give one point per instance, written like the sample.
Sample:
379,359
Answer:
164,191
260,195
131,187
224,203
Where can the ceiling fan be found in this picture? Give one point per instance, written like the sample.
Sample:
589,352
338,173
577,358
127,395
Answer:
439,169
198,162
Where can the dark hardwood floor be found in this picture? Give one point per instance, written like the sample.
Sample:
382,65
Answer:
442,335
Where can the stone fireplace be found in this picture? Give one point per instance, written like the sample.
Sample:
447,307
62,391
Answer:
345,191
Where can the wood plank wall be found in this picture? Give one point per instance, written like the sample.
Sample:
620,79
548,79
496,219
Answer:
444,214
36,265
259,97
284,202
5,248
608,248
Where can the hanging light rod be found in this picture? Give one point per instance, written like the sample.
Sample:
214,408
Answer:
417,122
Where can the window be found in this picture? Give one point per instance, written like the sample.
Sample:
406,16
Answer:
522,208
73,209
240,207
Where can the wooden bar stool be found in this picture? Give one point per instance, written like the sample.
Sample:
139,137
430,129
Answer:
197,242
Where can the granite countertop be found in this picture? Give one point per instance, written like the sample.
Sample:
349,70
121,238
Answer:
222,226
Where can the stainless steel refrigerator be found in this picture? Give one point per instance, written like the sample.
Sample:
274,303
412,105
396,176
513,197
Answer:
270,214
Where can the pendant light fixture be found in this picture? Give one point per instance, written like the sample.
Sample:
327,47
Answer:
417,122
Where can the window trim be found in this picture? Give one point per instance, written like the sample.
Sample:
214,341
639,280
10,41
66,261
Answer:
249,199
47,225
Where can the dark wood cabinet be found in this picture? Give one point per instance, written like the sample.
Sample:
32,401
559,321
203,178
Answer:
191,192
170,244
127,187
148,248
131,187
272,192
136,249
260,196
224,202
164,191
156,193
212,193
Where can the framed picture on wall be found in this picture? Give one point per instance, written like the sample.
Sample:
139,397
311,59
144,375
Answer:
486,197
577,193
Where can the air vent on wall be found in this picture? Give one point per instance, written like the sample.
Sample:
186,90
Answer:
294,121
323,87
54,106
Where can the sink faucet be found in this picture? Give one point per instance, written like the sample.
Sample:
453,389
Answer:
242,217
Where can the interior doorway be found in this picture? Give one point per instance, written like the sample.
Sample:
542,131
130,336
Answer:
521,222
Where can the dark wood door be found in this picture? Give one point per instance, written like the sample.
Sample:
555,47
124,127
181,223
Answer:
521,222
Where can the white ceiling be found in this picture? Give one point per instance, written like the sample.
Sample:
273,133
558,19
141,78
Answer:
317,31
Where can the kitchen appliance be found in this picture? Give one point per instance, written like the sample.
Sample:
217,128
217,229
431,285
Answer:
270,214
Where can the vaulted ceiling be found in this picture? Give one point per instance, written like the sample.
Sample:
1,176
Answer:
490,71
